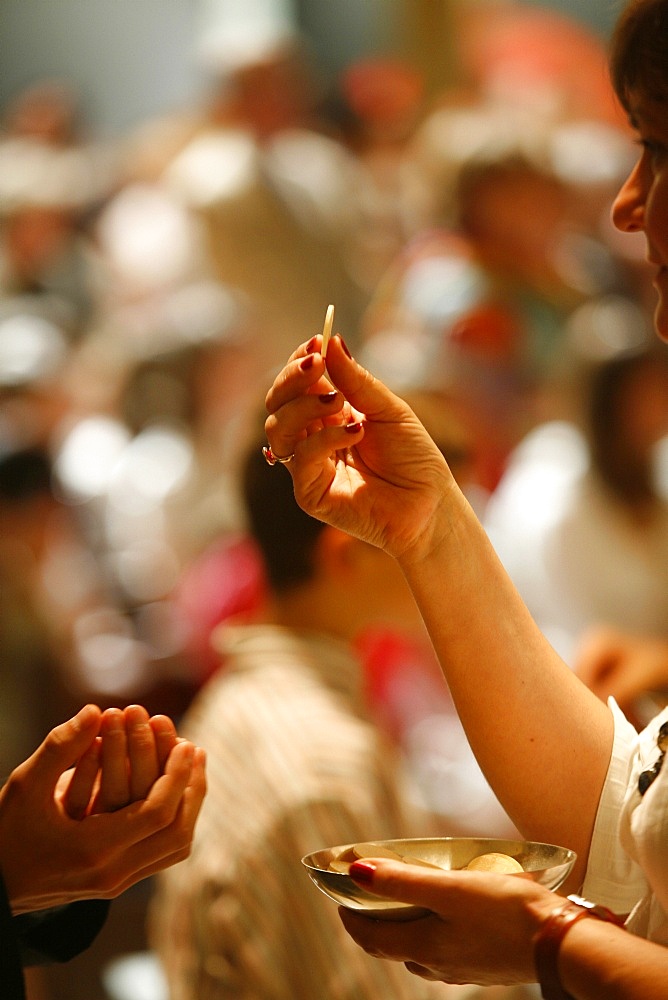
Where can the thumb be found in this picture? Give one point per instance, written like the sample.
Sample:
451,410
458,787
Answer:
170,786
65,744
367,394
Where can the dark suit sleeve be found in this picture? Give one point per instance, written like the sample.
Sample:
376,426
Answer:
59,934
53,935
11,969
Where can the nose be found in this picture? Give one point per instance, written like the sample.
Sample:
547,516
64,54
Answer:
628,208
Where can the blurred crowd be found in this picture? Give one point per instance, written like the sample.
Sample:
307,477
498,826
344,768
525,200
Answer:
150,286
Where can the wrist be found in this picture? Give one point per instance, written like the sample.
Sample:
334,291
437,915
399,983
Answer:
548,939
448,530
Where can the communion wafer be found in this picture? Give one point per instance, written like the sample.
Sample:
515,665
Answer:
368,849
327,329
494,862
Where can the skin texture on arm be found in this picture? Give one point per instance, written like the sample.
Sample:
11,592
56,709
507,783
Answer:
59,841
364,463
481,930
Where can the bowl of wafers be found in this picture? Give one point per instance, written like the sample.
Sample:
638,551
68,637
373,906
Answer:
329,868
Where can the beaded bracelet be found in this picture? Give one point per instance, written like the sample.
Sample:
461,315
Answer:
548,938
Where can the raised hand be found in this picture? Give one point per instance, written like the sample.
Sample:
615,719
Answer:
362,460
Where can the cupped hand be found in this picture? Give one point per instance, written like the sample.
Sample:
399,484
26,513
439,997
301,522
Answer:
127,757
480,928
49,857
363,461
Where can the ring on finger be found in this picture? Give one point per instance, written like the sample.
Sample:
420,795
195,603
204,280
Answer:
272,459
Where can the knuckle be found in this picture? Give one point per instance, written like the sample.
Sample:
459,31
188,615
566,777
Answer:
17,785
55,742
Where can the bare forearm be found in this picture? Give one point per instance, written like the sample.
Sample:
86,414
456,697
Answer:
541,737
639,970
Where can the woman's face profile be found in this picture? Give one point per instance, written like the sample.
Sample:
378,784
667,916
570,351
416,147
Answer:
642,203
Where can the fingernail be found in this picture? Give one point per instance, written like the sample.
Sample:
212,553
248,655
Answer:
353,428
136,716
312,345
113,720
345,347
328,397
362,871
307,362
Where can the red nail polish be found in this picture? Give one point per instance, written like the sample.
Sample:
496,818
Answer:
306,362
328,397
353,428
312,344
362,871
345,347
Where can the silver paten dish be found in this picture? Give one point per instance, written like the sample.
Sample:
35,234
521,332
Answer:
547,864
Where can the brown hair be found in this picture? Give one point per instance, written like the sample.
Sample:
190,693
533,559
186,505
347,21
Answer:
285,534
626,470
639,54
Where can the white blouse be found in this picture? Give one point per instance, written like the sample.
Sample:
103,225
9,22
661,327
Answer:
628,861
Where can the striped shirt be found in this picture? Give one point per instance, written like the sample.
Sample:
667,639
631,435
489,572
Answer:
294,765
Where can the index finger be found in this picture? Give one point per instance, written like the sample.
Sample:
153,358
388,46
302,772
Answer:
403,882
303,372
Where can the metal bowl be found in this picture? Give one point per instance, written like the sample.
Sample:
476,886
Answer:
544,863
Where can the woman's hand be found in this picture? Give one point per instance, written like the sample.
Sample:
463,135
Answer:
480,929
363,461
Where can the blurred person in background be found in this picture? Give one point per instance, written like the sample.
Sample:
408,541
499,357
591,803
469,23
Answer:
31,668
52,180
295,763
631,667
277,231
480,297
507,182
146,474
580,518
374,108
536,58
227,582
